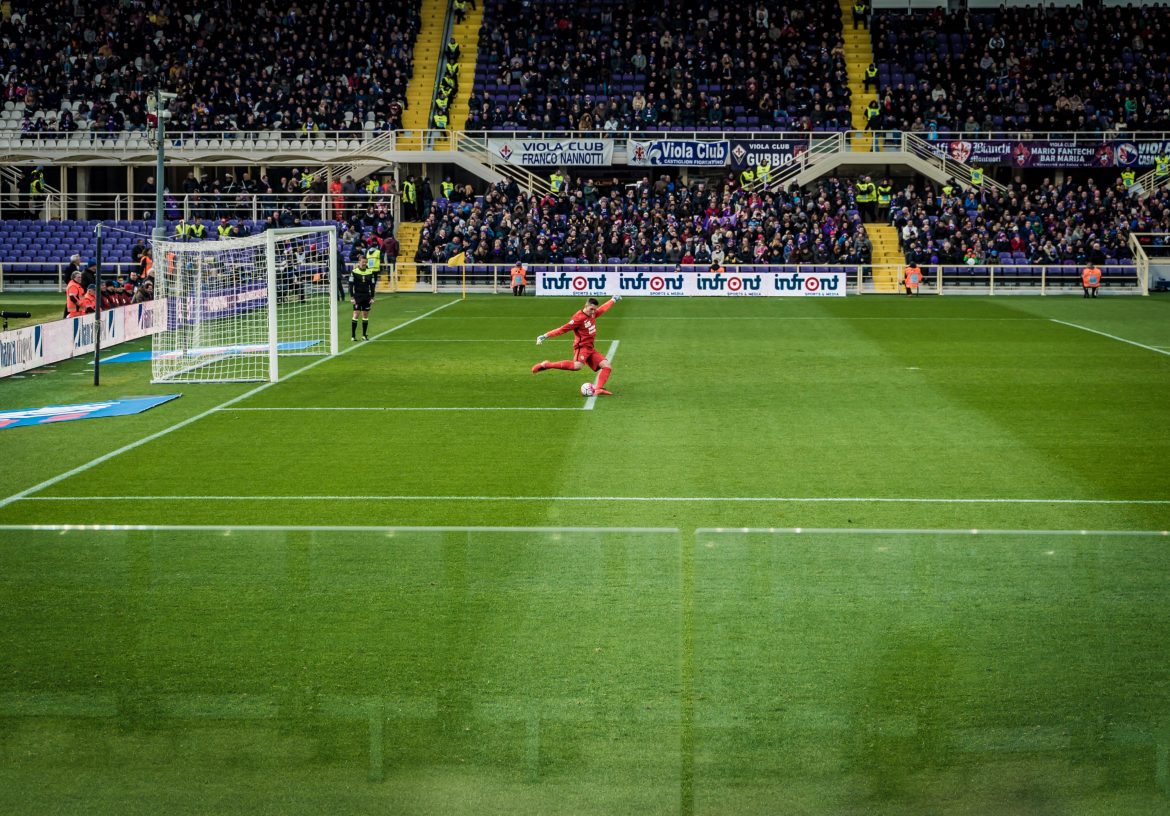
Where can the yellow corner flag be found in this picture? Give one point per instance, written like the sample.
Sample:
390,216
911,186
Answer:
458,260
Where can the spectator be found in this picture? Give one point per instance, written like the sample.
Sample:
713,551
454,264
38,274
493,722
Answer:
1016,69
262,70
667,66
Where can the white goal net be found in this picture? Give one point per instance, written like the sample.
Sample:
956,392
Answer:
234,307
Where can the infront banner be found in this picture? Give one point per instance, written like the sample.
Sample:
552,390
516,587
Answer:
554,152
47,343
677,153
1053,153
734,283
772,152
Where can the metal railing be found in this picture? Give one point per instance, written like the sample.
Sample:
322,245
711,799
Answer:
818,150
42,276
959,171
140,206
477,148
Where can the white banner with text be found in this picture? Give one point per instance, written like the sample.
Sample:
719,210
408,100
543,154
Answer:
732,283
47,343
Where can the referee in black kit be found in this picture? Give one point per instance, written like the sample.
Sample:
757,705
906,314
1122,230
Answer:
362,281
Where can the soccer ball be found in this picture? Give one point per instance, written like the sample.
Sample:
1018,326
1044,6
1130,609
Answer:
587,389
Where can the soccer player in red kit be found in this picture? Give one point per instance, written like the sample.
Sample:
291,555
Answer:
584,328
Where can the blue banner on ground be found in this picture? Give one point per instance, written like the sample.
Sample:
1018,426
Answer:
85,410
209,351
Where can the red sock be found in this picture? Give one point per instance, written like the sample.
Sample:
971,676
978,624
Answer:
602,376
567,365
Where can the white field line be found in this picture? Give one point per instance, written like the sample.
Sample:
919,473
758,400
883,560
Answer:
867,531
591,401
184,423
732,499
1155,349
637,318
64,528
927,531
402,408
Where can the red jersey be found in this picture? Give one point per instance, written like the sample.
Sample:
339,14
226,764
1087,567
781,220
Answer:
584,327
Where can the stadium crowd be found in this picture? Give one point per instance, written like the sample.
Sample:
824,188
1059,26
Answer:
652,222
263,65
1046,223
82,295
678,64
667,222
1023,69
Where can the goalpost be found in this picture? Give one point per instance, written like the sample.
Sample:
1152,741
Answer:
234,307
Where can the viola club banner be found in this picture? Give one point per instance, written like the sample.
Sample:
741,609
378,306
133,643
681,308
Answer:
735,283
771,152
677,153
48,343
554,152
1052,153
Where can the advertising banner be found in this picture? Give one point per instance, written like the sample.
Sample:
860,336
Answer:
773,152
47,343
1045,153
87,410
22,349
677,153
554,152
745,282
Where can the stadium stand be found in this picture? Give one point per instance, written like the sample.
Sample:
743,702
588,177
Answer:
676,65
653,223
1019,69
263,66
1067,224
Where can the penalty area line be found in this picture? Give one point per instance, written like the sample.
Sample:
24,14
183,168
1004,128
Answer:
613,347
923,531
184,423
633,499
401,408
326,528
1155,349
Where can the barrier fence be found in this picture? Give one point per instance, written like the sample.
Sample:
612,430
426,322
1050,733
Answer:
752,280
636,279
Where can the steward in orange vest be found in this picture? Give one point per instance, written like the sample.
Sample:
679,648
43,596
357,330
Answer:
518,280
74,293
1091,280
912,277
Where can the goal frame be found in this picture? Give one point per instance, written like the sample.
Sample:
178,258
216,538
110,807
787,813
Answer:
272,284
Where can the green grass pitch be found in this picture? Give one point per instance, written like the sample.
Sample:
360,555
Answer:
860,556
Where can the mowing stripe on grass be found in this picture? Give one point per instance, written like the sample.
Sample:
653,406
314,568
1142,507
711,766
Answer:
325,528
401,408
930,531
1155,349
760,499
613,347
184,423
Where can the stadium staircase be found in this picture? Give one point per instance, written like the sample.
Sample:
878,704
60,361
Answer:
467,35
408,234
427,52
888,259
858,56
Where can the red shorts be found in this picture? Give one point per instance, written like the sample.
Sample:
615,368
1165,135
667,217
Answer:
590,357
